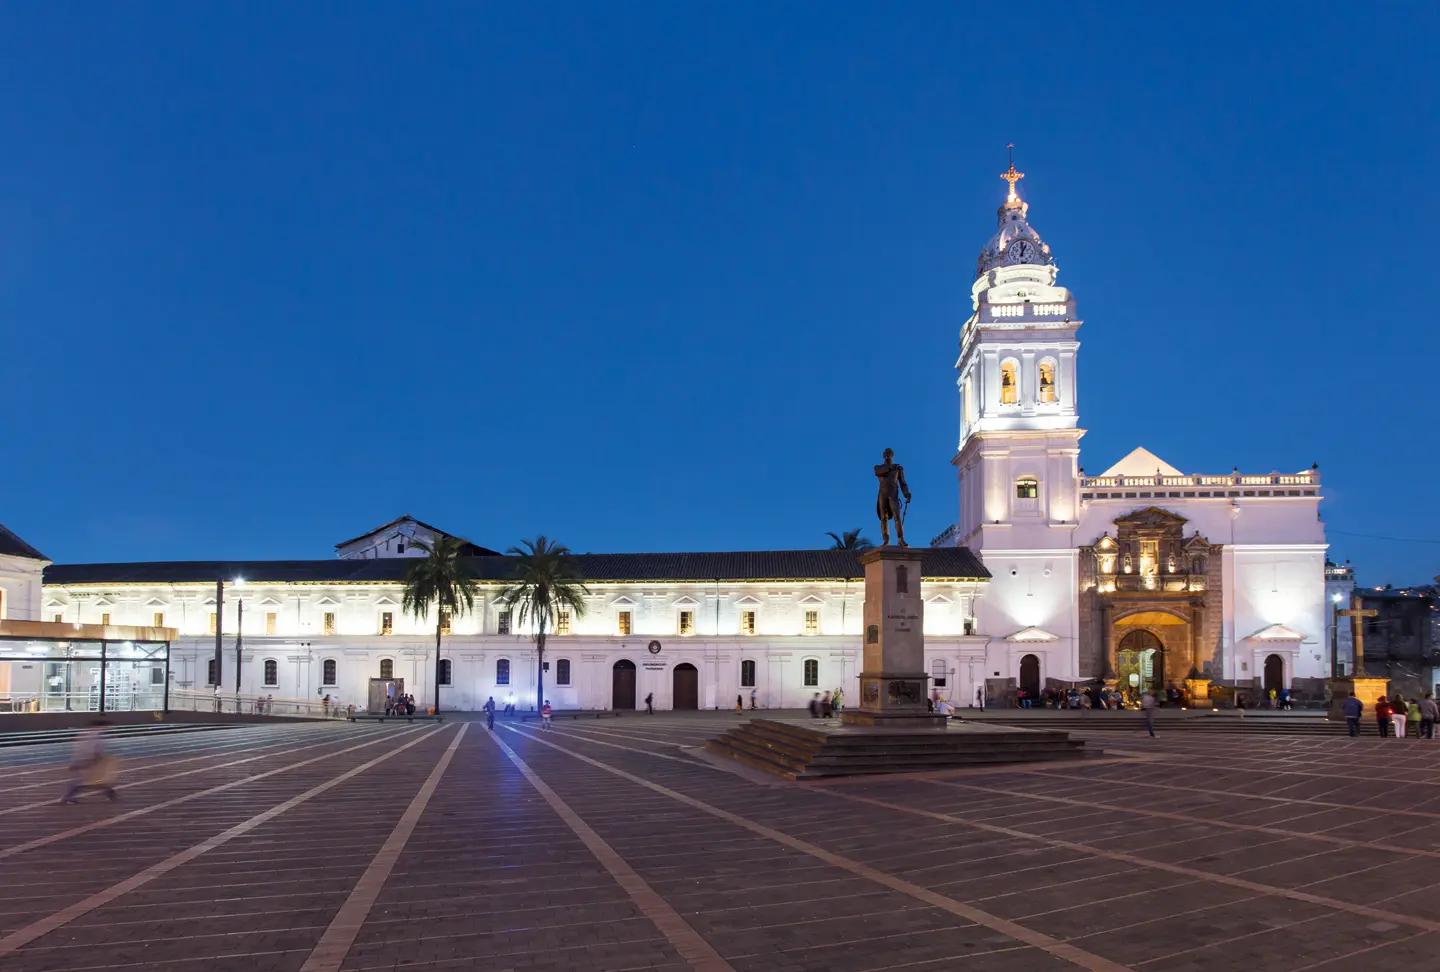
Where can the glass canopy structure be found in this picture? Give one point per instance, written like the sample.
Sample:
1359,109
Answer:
59,667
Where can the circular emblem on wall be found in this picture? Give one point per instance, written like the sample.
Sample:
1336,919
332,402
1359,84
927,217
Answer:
654,647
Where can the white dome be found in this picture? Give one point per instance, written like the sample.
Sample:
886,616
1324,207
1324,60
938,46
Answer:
1015,242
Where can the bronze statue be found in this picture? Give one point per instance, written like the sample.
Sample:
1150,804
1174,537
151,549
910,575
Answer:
887,503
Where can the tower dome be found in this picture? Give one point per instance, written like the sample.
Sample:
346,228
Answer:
1015,242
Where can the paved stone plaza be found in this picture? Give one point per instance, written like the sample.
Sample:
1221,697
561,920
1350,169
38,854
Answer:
614,844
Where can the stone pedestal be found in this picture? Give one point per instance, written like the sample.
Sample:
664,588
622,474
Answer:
1368,690
893,681
1197,690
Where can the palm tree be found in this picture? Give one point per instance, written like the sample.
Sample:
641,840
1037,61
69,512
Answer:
849,540
544,583
443,578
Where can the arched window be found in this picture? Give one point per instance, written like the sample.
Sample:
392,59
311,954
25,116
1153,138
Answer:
747,673
938,674
1027,488
562,672
327,672
812,672
1009,382
272,673
1047,381
444,671
387,668
502,672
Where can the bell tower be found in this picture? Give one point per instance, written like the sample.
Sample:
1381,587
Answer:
1018,451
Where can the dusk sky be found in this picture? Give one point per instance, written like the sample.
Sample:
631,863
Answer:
670,276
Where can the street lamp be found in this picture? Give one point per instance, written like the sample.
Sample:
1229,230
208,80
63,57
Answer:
239,638
1335,634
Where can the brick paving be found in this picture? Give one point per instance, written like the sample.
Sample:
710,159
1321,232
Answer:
617,844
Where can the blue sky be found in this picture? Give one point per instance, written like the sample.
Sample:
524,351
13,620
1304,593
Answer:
669,276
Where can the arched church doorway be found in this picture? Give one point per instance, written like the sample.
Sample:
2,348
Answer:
622,685
1274,674
1030,676
685,681
1140,662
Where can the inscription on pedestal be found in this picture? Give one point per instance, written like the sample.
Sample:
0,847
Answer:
907,693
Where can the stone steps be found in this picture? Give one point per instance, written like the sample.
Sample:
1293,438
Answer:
1132,722
799,751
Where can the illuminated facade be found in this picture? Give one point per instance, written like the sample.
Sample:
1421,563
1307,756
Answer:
1143,574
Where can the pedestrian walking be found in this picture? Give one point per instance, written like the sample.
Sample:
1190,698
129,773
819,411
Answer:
489,708
1382,716
753,706
649,703
836,701
815,706
1399,714
92,767
545,713
1147,706
1352,708
739,705
1428,712
825,706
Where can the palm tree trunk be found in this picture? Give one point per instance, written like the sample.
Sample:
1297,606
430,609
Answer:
540,669
437,665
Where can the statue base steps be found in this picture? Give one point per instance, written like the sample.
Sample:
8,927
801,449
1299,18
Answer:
813,749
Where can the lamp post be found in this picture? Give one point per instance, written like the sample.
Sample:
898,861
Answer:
239,639
1335,635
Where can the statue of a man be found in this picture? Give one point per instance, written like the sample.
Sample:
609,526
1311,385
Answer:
887,504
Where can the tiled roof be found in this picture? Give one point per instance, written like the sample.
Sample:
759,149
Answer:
15,547
746,565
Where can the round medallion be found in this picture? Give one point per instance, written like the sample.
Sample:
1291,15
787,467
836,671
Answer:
654,647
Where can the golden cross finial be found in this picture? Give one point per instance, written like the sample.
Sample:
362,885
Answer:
1011,176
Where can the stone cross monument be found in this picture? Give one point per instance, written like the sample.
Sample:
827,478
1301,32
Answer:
1359,683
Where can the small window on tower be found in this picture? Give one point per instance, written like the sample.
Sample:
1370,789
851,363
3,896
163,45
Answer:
1009,383
1027,487
1047,381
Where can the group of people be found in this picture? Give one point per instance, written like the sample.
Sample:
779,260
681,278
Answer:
822,706
400,705
1394,714
740,703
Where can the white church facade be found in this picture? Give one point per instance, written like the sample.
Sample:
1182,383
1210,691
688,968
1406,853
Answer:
1142,575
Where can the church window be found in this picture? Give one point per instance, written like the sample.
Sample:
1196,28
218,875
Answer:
747,622
1047,381
1009,383
444,622
502,623
58,617
327,672
747,673
387,668
562,672
214,621
400,547
624,622
812,672
159,619
211,676
105,619
387,622
562,622
444,673
270,620
812,622
502,672
272,673
687,622
329,628
1027,487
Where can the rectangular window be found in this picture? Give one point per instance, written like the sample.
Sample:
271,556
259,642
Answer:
622,622
444,675
210,675
329,625
747,622
327,676
58,618
687,622
445,622
159,619
562,672
562,622
214,621
502,672
157,676
812,622
812,672
272,673
747,673
503,627
105,619
387,622
270,618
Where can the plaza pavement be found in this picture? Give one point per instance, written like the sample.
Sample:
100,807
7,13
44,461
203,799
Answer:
616,844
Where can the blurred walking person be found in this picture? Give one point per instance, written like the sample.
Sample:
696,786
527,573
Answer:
1428,713
94,769
490,712
1147,706
1352,708
1399,713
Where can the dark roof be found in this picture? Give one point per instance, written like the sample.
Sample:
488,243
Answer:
471,549
742,565
15,547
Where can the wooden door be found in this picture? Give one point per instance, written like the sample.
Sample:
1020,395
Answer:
686,685
622,685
